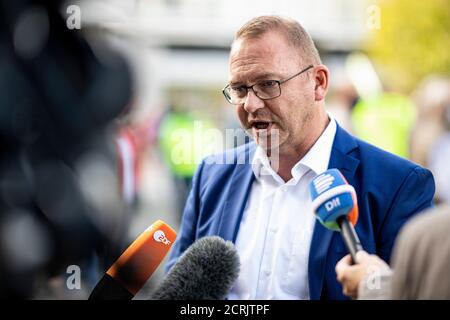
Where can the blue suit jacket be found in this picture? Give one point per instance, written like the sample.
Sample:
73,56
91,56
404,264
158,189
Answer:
390,190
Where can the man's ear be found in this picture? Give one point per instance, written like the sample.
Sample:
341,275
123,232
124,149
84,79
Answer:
321,82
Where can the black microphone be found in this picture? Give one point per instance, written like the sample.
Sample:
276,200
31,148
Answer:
335,205
207,270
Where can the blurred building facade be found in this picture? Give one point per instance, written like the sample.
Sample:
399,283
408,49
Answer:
179,44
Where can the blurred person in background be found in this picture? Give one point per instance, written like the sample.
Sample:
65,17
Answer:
430,137
341,101
133,140
385,120
60,202
183,139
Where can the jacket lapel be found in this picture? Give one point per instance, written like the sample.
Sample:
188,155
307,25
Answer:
340,159
238,194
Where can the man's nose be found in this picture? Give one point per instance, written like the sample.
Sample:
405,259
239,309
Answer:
252,102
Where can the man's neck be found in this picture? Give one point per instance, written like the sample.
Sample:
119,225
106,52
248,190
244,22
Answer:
290,157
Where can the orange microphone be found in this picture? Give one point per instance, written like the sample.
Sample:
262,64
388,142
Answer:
138,262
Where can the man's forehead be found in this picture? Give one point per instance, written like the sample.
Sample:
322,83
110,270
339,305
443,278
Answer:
263,57
253,69
266,43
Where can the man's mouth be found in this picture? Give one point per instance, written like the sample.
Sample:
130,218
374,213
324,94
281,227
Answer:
261,125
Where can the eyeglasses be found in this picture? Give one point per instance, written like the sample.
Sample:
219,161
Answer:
265,89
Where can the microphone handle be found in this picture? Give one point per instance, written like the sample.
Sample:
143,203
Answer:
109,288
350,237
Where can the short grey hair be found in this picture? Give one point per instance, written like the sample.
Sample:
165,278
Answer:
295,34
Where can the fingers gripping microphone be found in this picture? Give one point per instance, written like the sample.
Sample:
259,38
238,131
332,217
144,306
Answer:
207,270
138,262
335,205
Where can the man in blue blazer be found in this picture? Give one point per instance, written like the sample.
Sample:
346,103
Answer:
257,195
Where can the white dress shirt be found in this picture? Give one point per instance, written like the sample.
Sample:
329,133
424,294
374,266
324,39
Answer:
275,233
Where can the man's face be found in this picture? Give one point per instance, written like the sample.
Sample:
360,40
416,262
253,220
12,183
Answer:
288,116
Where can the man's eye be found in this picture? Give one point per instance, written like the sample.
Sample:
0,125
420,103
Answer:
238,90
267,84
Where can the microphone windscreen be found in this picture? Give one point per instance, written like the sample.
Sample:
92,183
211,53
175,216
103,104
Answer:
332,197
207,270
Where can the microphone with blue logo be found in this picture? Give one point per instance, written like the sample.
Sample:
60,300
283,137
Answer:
335,205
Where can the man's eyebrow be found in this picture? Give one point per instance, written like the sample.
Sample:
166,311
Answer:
261,76
267,76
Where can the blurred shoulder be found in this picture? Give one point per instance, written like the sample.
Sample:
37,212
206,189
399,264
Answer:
432,225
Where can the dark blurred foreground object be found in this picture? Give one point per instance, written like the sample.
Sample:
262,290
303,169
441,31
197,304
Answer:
59,199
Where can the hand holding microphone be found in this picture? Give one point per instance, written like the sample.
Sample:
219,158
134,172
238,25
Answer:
335,206
138,262
351,276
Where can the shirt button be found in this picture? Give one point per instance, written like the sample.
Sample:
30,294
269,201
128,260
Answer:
267,272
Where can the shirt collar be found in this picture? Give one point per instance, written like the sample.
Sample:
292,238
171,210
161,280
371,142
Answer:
261,164
316,159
